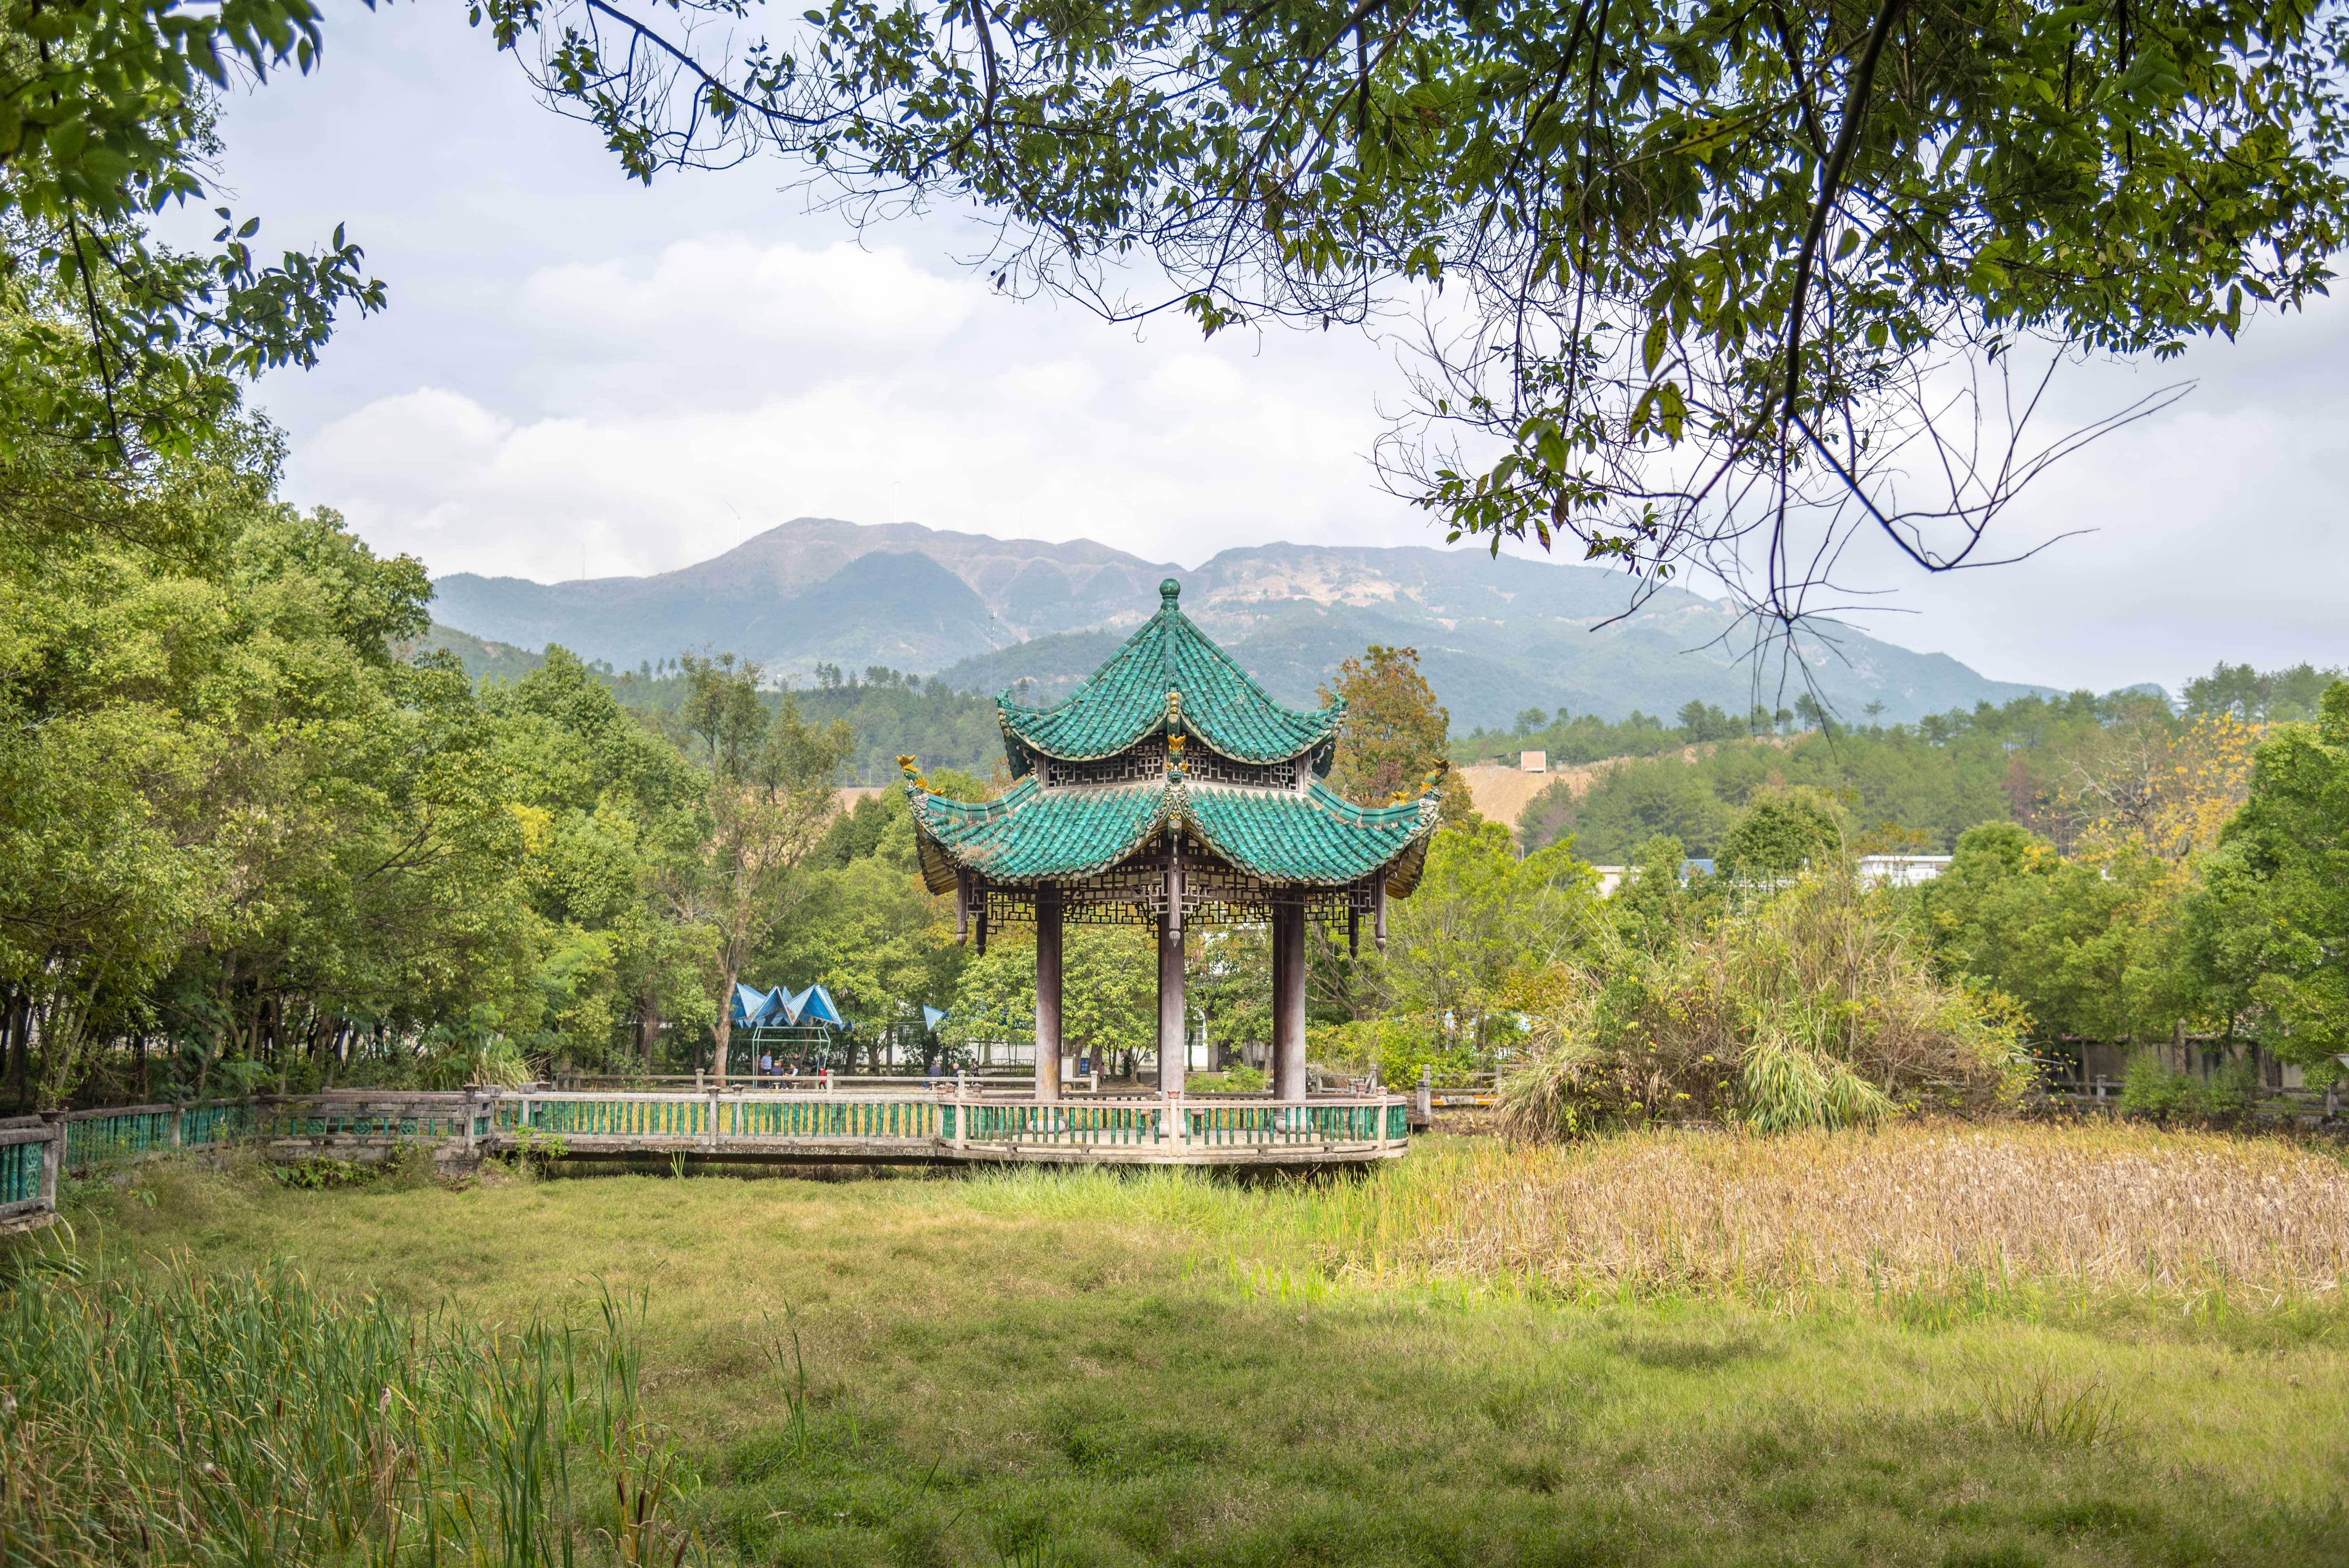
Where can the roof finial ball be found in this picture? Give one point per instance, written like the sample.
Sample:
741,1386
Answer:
1168,591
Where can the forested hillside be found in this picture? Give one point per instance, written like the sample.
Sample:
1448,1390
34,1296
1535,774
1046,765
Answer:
2048,765
891,714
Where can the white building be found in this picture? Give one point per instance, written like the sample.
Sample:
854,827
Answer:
1902,871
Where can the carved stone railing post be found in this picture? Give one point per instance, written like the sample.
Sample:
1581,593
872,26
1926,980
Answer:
53,1158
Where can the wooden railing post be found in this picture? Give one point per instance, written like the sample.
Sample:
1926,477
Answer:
1426,1093
1173,1132
179,1115
709,1137
962,1110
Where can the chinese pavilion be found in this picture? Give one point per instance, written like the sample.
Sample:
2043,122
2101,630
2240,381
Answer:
1171,787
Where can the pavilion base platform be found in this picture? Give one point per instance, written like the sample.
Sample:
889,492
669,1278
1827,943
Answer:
949,1126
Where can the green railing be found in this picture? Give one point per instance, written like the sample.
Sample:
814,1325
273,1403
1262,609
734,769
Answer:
902,1118
615,1115
120,1135
1065,1123
97,1137
20,1170
1267,1123
322,1122
1215,1128
205,1126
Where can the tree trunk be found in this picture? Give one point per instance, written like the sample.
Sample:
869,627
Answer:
648,1023
724,1028
19,1019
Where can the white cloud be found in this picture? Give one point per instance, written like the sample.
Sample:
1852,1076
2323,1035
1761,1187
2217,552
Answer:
709,320
685,406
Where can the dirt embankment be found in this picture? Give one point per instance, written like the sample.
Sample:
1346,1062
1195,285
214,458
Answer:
1501,793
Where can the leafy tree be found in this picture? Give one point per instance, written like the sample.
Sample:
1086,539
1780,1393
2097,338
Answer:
1480,930
769,800
613,815
2154,783
994,996
2270,928
1395,731
1780,833
1713,260
1231,982
2038,761
1109,1002
111,345
1655,905
1702,721
2083,945
1625,807
233,818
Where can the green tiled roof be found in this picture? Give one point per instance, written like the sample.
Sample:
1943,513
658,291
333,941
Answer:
1125,699
1320,838
1032,834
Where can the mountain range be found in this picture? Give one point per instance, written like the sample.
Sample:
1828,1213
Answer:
1495,635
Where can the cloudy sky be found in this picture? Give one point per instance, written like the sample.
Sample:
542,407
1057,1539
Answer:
579,375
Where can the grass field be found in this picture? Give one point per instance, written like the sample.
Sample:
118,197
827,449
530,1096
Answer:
2005,1348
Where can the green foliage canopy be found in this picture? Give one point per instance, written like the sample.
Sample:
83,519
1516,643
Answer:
112,345
2270,928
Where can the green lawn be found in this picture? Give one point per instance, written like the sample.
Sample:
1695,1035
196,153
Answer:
1082,1368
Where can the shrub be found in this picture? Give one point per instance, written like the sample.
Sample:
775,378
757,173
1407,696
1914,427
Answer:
1393,1049
1814,1008
2150,1088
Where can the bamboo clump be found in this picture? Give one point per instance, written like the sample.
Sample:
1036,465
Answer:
1815,1007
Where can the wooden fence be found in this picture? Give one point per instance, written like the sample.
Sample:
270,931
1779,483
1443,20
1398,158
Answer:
2101,1096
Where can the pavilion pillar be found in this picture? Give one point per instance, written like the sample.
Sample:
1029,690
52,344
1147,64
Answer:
1048,993
1288,1002
1172,1052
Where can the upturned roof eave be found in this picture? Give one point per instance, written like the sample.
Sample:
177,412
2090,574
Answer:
1192,735
941,862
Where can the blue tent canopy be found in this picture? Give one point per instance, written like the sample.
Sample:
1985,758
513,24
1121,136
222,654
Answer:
749,1003
780,1008
933,1016
815,1006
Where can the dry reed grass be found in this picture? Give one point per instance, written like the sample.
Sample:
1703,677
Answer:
1909,1209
